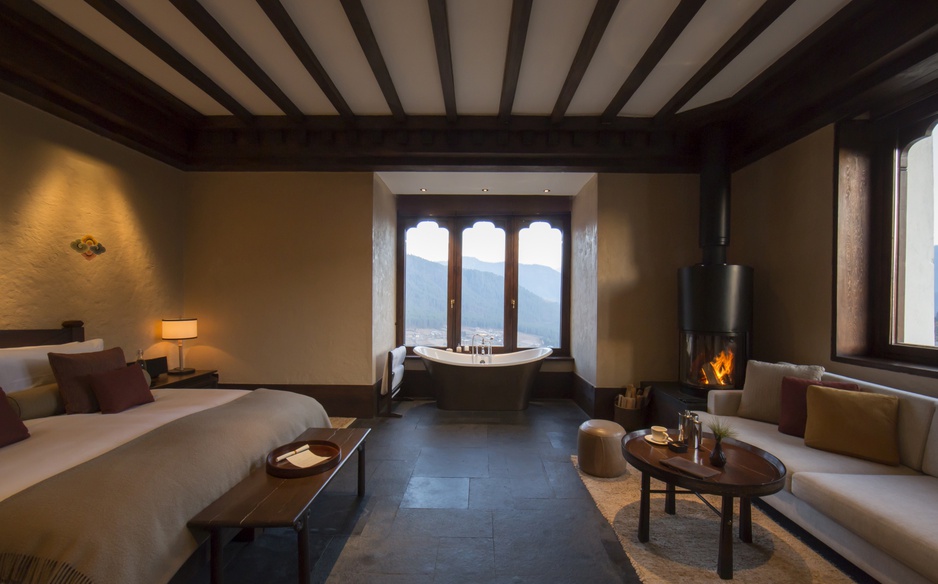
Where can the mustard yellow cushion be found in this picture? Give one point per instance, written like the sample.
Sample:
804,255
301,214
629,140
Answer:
854,423
37,402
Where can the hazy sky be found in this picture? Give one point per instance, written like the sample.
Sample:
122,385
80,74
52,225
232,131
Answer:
539,244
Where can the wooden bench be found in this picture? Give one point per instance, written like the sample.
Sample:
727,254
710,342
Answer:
261,500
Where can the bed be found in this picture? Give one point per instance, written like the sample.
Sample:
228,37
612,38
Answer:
93,498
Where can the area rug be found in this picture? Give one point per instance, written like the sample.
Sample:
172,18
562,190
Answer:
341,422
683,547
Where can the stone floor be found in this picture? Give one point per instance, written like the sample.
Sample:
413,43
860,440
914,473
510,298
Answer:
453,497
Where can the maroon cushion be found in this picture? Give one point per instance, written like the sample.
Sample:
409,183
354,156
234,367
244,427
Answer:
120,389
73,374
793,414
12,428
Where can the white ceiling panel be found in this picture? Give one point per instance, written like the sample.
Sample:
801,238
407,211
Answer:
330,36
554,34
796,23
404,32
496,183
631,30
110,37
709,30
479,40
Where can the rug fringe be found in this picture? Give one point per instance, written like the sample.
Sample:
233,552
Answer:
23,569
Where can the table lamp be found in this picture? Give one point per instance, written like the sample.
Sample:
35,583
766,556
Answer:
178,329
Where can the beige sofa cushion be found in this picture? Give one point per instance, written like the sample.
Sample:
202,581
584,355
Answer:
897,514
763,387
853,423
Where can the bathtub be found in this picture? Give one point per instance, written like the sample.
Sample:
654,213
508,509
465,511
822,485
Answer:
505,384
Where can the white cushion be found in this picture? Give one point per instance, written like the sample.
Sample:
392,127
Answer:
26,367
897,514
763,387
393,370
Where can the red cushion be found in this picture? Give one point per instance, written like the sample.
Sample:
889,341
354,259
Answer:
72,373
12,428
793,414
121,389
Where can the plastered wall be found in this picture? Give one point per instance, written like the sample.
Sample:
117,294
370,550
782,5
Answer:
585,252
384,274
59,182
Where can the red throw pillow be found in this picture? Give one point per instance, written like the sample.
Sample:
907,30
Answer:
12,428
793,410
72,373
121,389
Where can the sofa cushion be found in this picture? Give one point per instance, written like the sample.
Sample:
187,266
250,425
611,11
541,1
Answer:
793,403
930,458
853,423
763,386
897,514
796,457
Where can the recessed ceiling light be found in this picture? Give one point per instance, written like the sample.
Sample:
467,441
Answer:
423,190
485,190
546,190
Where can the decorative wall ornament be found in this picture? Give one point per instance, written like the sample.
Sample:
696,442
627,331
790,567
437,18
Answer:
88,246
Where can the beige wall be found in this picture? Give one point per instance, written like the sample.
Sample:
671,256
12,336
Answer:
279,273
59,182
647,231
782,225
384,275
585,250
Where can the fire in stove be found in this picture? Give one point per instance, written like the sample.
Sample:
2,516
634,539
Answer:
718,371
712,360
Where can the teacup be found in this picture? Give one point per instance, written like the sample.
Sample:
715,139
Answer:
659,433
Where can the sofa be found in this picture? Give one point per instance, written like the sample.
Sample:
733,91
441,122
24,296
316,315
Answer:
881,517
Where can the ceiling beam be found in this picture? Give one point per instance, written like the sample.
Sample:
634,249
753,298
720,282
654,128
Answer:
366,38
672,29
292,35
444,56
602,14
216,33
757,23
126,21
517,34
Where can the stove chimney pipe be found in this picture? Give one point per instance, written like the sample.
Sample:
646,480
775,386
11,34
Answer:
714,195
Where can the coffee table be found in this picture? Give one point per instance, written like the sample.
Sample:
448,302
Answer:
749,472
262,500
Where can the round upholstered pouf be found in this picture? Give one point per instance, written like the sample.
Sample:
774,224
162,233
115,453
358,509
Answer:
599,448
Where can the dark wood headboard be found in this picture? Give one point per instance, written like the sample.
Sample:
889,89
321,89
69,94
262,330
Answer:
72,330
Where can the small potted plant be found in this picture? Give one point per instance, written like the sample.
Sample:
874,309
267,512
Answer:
720,430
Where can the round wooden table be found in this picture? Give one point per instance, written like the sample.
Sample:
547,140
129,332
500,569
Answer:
749,472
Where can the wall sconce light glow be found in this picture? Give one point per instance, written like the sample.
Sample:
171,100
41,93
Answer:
88,247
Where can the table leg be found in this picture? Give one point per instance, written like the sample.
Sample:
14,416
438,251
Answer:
669,499
643,510
361,469
302,539
725,557
745,519
216,548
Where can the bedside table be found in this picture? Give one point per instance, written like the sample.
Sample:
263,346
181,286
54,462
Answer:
201,378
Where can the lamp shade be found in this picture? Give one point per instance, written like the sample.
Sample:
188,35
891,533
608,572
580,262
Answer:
180,328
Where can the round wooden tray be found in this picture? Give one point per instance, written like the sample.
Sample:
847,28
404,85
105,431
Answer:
285,470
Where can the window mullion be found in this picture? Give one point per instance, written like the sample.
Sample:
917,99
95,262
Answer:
511,285
454,325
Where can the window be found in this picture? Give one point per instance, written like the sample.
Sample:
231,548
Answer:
502,278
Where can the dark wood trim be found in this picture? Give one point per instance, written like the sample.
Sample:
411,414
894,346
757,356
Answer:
599,20
548,384
71,331
669,33
207,25
356,401
369,44
517,34
123,18
439,20
482,205
293,37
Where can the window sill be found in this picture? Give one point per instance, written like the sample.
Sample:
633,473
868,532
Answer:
888,365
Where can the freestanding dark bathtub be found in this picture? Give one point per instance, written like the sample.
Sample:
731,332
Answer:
505,384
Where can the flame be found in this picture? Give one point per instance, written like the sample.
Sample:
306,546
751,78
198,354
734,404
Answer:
719,370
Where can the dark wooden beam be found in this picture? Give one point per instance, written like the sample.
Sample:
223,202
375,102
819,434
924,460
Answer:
444,57
123,18
366,38
602,13
292,35
216,33
757,23
517,34
672,29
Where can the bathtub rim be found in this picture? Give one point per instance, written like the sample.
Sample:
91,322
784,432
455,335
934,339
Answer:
465,360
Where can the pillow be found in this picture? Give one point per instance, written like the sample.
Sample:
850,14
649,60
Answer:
855,423
12,428
72,372
37,402
761,391
120,389
25,367
793,404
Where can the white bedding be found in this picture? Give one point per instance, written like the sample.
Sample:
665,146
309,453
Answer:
59,443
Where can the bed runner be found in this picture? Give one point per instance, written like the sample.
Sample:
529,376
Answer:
121,518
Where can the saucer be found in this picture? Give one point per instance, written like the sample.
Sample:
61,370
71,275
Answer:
656,442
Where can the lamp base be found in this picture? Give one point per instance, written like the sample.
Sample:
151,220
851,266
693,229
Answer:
180,371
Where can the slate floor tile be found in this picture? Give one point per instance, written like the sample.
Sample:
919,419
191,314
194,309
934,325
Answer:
436,493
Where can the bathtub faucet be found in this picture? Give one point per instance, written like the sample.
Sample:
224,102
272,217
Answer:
481,349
